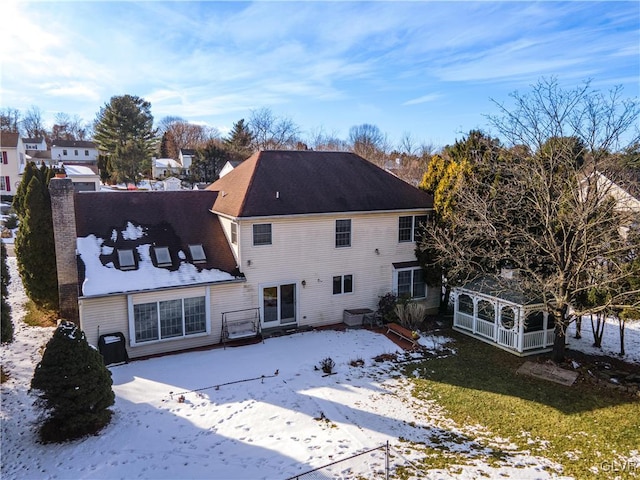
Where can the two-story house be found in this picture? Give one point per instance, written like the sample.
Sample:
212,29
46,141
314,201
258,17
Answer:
13,155
291,238
74,151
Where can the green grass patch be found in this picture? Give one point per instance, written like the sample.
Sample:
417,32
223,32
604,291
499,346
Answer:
39,317
581,427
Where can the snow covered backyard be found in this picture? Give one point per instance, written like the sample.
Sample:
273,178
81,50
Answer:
193,415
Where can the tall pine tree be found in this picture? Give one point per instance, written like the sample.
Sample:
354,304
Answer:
239,141
73,386
6,325
34,246
124,131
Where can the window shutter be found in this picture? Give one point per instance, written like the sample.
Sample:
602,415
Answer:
7,183
4,158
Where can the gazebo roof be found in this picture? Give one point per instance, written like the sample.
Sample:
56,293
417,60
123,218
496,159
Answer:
502,288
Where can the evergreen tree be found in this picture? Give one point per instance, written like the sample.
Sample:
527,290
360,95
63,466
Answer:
208,162
6,325
124,131
34,246
73,386
104,168
238,143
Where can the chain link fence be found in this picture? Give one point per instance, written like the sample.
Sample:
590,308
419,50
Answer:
378,463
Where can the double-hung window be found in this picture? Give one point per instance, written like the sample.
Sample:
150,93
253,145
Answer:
169,319
409,227
342,284
343,233
234,233
410,283
262,234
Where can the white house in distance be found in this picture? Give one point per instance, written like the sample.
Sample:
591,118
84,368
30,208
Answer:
12,157
185,158
228,166
75,151
165,167
34,144
287,240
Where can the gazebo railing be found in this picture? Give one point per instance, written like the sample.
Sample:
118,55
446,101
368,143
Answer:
534,340
464,320
508,338
486,329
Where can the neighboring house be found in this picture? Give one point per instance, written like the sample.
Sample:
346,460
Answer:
34,144
13,156
185,157
289,238
165,167
230,165
74,151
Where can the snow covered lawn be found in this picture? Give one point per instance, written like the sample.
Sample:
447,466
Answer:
189,416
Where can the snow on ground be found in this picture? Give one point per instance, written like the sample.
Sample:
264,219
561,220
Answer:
610,339
191,416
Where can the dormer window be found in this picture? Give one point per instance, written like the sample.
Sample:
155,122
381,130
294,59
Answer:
197,254
163,258
126,259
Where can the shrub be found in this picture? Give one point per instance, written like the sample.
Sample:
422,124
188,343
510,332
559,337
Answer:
6,324
11,221
387,307
327,364
411,314
73,387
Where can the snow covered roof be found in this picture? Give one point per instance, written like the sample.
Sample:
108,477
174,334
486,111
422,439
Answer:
141,222
166,163
73,170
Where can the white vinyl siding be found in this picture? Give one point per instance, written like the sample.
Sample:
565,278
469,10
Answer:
307,255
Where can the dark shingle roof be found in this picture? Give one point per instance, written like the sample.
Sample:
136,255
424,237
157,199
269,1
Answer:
73,144
9,140
173,219
303,182
506,289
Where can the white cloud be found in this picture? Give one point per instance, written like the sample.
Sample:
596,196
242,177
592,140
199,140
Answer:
424,99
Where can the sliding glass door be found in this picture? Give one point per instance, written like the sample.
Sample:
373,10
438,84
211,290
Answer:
279,304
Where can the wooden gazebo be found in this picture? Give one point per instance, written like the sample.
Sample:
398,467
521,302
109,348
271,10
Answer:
491,311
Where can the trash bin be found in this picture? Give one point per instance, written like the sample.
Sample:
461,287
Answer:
112,347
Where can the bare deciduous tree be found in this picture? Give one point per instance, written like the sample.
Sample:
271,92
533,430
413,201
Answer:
32,123
270,132
9,120
542,206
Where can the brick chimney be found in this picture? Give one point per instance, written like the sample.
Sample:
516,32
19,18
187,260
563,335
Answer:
64,234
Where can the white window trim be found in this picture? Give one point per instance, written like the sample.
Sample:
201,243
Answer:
233,232
253,238
335,236
413,227
395,282
132,323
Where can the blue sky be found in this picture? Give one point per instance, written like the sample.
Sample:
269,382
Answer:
428,69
